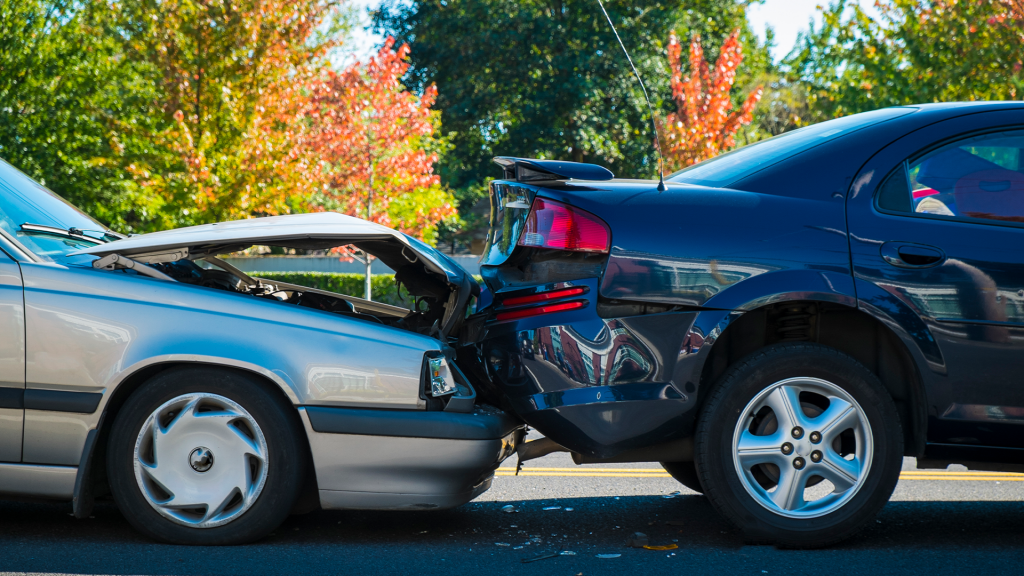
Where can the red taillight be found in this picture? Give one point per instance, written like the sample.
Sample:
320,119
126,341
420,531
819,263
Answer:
539,310
561,227
543,297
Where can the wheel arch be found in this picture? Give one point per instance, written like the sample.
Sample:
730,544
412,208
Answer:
847,329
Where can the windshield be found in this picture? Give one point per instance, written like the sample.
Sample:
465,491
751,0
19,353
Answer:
738,164
25,201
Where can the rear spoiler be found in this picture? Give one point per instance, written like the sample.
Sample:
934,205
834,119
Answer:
531,170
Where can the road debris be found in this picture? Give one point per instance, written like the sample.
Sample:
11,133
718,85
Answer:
568,509
666,547
566,553
541,557
509,509
637,540
608,555
673,495
553,508
502,544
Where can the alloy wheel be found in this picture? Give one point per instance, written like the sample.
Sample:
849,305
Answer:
201,460
802,447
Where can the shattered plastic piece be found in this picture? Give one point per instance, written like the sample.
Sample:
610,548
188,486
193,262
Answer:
509,509
517,547
566,553
666,547
541,557
568,509
608,555
637,540
553,508
502,544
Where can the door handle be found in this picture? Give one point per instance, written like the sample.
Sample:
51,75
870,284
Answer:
910,255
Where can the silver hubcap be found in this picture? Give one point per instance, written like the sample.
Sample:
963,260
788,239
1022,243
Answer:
802,447
201,460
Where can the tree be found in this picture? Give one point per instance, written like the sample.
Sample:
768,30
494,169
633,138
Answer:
704,124
545,78
230,78
61,88
377,142
915,51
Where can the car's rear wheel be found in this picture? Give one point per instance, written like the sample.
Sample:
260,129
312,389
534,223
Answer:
799,445
205,456
685,473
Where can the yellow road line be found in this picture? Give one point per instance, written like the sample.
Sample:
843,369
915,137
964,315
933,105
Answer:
948,475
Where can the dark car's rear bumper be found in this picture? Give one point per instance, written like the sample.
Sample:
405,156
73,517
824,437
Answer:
600,386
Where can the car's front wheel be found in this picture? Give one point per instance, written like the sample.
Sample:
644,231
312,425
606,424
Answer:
205,456
799,445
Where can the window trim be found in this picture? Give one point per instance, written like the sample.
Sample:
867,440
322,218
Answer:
905,165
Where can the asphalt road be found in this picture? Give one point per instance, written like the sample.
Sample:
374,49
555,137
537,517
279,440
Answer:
945,523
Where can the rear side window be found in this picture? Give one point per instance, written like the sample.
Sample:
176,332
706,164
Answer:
977,178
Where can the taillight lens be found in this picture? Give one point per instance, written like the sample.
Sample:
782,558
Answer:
561,227
540,310
543,296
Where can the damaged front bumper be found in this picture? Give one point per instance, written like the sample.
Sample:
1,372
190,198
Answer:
406,459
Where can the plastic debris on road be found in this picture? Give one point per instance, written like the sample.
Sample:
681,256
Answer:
568,509
608,555
637,540
502,544
541,557
509,509
553,508
566,553
673,495
666,547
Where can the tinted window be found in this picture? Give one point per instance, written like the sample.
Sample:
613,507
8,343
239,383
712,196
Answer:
981,177
733,166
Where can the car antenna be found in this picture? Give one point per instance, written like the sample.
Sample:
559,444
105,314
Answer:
654,124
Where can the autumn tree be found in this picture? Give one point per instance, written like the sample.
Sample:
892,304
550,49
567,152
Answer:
705,122
230,78
378,146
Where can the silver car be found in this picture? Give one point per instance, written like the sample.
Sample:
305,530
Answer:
210,404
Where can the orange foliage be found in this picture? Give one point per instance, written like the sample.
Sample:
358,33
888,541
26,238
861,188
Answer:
704,124
373,136
257,123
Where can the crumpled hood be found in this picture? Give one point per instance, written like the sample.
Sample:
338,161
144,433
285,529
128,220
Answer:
305,231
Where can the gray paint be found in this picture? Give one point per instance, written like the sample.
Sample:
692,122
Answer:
329,264
413,472
12,359
55,482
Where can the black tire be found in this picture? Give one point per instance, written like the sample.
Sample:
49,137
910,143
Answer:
719,420
685,473
285,445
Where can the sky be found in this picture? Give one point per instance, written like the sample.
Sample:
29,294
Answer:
786,17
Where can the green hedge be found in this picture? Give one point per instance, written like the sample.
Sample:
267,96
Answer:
383,285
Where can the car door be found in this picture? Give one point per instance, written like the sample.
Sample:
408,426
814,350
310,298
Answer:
12,359
936,226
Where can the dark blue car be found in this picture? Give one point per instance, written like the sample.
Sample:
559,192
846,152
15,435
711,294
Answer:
781,325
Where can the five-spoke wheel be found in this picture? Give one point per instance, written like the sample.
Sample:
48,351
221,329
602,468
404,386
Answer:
798,444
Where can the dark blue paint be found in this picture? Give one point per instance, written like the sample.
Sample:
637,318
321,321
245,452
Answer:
805,228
